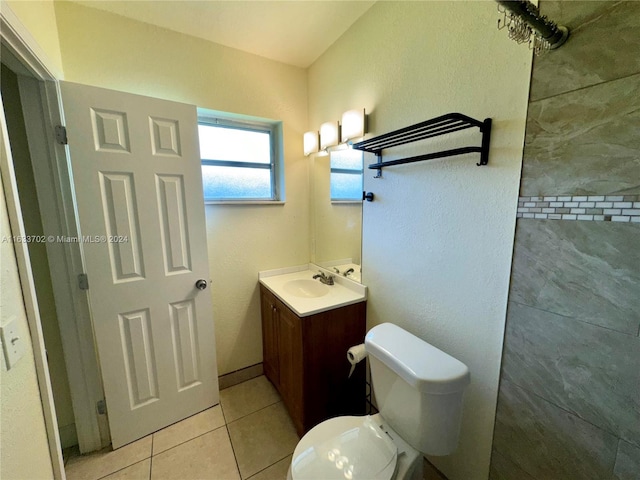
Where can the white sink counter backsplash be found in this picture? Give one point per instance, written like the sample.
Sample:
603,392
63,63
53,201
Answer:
343,292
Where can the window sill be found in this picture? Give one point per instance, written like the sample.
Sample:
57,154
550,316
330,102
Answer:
244,202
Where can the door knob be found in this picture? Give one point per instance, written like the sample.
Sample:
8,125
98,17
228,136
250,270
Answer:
201,284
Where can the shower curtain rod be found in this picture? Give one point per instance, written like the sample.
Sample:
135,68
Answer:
553,33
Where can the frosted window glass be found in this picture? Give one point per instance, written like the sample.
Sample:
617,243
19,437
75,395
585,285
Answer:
347,159
346,186
236,182
346,175
234,145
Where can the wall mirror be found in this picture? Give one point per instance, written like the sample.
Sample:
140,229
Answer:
336,212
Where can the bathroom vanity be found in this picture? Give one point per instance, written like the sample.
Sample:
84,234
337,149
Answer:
304,349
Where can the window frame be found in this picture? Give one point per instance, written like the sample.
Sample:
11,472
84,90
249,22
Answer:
273,129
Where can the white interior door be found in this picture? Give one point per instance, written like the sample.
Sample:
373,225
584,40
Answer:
137,177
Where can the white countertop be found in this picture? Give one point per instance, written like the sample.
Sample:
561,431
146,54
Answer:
343,292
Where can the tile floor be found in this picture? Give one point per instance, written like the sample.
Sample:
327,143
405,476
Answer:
248,436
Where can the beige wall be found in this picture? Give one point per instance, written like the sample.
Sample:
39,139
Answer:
437,240
39,18
110,51
24,453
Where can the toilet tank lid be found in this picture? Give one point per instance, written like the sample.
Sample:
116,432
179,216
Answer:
422,365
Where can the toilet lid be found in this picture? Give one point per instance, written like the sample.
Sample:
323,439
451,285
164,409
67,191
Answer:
345,448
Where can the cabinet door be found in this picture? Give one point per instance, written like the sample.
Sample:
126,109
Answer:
291,367
270,337
329,391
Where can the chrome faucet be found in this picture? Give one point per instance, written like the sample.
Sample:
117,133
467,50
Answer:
346,274
327,280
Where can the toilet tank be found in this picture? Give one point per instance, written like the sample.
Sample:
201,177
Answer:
418,388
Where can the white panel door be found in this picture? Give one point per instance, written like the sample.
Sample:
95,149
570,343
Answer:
137,176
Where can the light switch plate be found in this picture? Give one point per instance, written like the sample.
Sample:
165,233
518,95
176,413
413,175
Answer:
12,342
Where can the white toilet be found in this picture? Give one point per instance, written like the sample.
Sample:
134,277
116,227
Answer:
418,389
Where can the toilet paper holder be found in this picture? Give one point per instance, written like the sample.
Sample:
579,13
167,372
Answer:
355,355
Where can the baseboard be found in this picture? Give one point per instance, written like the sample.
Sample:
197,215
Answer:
239,376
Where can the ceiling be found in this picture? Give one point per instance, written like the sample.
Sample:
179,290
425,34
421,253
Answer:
292,32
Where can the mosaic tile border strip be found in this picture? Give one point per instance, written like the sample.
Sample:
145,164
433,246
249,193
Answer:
603,208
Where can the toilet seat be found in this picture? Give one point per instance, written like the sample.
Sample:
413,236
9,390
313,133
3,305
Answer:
346,447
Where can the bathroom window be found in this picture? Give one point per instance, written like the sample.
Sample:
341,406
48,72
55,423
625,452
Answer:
346,176
239,159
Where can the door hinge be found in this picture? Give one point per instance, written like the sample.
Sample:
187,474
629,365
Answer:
101,407
61,134
83,281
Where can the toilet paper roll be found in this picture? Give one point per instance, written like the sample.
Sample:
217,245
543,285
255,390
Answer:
356,354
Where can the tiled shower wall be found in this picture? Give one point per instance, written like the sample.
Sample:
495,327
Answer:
569,400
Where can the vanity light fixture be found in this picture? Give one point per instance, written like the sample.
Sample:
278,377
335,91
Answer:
353,125
311,143
329,135
336,134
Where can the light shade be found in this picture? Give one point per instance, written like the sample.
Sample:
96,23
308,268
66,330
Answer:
353,124
329,134
311,143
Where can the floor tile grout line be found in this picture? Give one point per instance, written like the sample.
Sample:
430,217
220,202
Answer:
233,450
224,417
269,466
153,437
188,440
190,417
154,454
123,468
256,411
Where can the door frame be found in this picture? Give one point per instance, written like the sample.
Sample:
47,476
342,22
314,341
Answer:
30,304
42,103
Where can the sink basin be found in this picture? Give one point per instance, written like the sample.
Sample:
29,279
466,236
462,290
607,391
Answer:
306,288
296,289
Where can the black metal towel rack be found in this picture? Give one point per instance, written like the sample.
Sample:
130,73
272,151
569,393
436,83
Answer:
451,122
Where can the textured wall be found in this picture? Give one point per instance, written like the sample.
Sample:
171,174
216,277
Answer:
569,403
438,238
110,51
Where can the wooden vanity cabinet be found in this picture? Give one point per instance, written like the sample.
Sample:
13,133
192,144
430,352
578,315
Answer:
306,360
